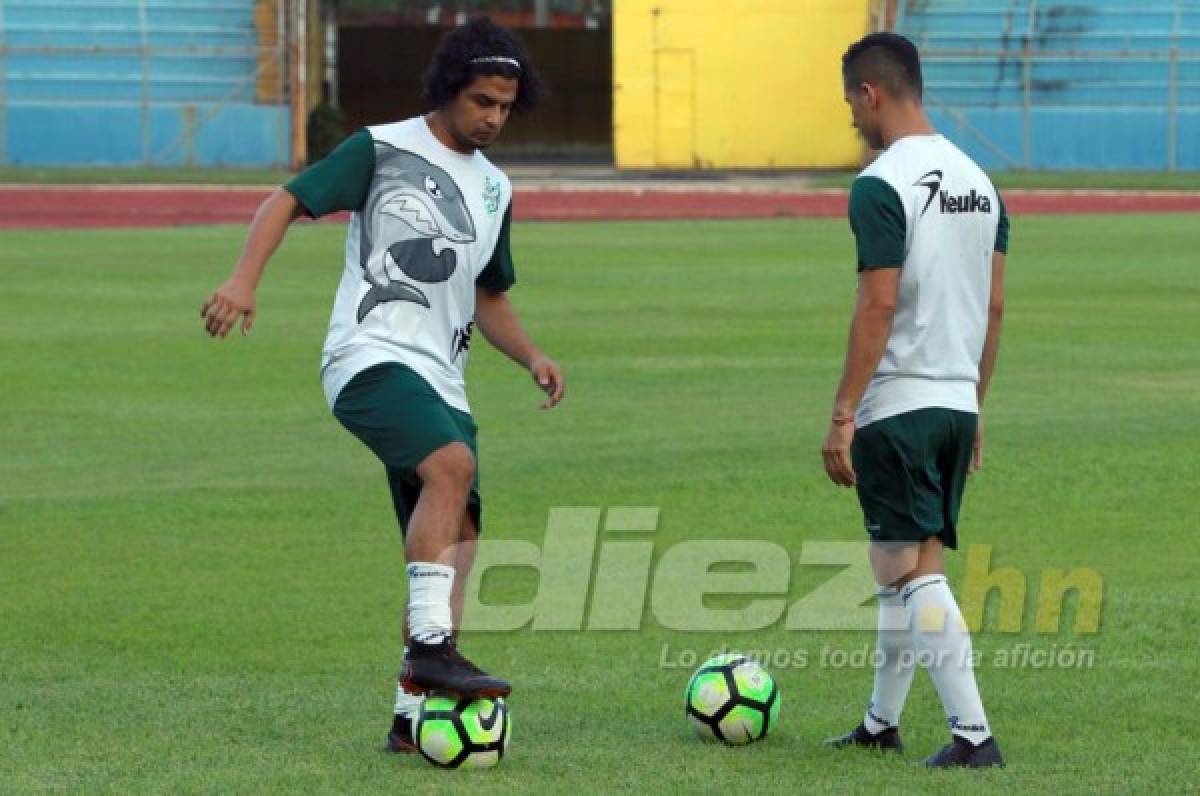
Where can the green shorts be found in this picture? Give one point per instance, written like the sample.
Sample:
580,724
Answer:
912,469
396,414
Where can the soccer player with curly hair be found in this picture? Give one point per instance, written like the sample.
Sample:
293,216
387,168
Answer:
427,261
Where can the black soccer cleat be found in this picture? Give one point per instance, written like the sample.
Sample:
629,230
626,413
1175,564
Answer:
400,737
961,753
441,667
884,741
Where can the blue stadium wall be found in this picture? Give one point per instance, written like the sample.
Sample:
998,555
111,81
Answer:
122,82
1090,84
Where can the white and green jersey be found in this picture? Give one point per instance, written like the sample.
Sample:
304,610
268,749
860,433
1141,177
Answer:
429,224
926,208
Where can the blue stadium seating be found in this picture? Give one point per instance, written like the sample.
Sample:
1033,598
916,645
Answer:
1087,84
85,82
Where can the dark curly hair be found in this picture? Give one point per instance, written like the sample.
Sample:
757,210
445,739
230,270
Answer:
452,69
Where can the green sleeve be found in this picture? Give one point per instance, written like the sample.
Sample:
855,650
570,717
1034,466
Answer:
1002,228
339,181
877,218
499,274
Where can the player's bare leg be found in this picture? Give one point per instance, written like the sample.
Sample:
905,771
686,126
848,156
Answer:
436,524
919,621
400,738
427,541
892,564
434,534
939,640
895,563
464,559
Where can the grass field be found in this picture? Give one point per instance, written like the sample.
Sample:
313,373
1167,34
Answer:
201,580
101,175
1006,180
1063,180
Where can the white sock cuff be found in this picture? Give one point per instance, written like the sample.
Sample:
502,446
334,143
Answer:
918,584
423,569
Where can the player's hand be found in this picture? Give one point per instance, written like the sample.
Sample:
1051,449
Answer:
977,451
549,376
228,303
836,454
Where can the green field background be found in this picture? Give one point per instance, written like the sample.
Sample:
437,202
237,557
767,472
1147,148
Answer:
201,579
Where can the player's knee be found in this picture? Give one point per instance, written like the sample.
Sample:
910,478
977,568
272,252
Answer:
893,562
449,467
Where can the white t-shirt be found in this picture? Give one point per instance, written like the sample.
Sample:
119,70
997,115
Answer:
431,224
925,207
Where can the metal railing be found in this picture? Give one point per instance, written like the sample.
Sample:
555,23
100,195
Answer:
196,70
1036,56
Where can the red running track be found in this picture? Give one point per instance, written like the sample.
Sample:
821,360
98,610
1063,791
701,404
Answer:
41,207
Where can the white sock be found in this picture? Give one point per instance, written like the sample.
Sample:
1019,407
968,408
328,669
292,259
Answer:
429,617
407,704
943,646
894,656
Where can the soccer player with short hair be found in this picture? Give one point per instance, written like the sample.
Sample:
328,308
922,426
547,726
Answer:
427,261
931,234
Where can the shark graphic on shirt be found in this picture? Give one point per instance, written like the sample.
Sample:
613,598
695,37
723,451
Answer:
413,215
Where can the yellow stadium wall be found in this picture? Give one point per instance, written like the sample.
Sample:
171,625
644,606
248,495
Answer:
712,84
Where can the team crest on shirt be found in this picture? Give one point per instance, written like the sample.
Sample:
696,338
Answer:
491,195
414,215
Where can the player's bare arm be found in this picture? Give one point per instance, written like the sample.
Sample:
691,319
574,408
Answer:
234,298
497,319
991,349
869,331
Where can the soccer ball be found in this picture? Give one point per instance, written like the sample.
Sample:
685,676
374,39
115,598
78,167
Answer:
466,733
732,699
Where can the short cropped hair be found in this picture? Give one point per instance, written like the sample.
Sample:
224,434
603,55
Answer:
887,60
480,47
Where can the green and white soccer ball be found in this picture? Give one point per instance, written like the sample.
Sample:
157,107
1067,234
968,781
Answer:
462,733
733,699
